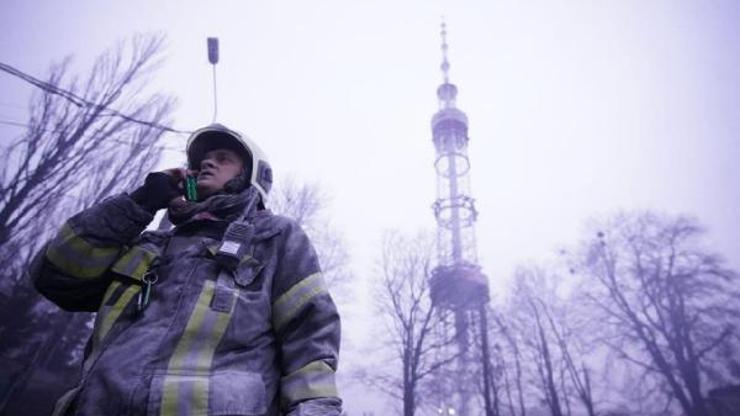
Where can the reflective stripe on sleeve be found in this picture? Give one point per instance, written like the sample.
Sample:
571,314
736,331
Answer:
135,262
289,304
315,379
185,388
76,257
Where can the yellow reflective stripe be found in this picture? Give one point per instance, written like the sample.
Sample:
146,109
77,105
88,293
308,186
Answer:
199,402
196,321
192,359
135,262
103,311
61,406
109,292
315,379
169,397
205,357
288,304
116,310
170,389
107,316
76,257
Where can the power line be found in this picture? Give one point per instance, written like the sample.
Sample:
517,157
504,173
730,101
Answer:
13,105
80,101
24,125
15,123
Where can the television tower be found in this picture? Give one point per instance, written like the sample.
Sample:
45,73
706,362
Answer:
457,284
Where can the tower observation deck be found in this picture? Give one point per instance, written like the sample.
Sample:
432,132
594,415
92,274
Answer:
457,282
458,287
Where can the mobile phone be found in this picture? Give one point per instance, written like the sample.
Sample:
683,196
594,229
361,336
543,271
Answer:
191,188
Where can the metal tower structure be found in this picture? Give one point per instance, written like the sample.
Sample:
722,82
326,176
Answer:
458,286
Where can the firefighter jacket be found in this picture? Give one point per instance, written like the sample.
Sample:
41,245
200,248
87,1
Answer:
262,339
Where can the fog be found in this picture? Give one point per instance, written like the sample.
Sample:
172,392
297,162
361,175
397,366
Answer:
577,110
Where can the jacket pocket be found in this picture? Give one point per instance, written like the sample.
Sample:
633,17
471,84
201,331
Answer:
247,271
259,256
222,393
237,393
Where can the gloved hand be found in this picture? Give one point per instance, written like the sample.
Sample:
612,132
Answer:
158,190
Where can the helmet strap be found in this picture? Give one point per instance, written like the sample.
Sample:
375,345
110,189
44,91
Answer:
237,184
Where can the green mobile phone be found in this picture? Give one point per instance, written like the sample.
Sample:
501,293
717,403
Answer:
191,188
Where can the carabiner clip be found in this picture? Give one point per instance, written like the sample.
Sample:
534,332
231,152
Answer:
149,279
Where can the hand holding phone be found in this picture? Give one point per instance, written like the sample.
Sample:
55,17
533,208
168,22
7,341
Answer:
191,188
186,182
160,189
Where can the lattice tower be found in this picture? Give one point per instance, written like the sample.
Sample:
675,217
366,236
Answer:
458,287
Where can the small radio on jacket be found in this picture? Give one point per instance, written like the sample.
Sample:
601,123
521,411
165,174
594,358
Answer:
234,244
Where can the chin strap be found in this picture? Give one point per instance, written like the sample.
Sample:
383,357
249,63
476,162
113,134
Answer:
237,184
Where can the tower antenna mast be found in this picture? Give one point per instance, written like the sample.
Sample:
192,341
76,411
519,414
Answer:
213,59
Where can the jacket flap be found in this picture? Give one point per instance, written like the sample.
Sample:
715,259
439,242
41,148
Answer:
136,261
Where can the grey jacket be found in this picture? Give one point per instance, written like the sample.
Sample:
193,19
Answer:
261,340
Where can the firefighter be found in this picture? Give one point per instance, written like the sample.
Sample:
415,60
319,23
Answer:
225,314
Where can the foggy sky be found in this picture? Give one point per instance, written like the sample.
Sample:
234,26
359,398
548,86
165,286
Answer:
576,108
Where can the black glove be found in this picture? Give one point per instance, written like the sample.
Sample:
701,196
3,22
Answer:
158,190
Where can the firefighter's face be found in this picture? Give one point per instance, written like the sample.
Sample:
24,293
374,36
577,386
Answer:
218,167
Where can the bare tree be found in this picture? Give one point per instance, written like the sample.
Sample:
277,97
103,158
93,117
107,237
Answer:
87,138
671,304
307,204
543,323
403,300
76,149
509,357
530,312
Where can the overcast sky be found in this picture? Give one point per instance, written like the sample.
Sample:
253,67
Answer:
577,108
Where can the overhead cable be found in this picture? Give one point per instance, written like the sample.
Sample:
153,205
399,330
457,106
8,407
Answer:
19,124
82,102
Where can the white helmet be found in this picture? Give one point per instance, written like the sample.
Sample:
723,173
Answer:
216,136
